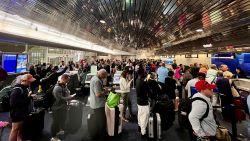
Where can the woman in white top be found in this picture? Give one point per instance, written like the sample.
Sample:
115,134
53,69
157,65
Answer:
125,86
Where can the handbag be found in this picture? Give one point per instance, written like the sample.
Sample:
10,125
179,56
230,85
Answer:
222,134
113,99
235,93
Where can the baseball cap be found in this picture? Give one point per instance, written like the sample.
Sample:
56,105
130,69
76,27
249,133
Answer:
28,77
202,85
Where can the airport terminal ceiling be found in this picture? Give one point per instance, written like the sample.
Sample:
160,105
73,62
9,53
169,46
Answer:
167,25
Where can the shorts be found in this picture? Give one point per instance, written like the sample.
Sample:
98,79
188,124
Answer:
16,119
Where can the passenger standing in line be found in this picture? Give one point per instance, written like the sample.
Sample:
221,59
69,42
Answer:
62,95
153,67
3,76
125,83
162,73
178,78
224,87
240,73
203,128
195,68
170,85
142,91
174,65
192,82
62,66
19,106
224,67
32,71
97,102
211,74
186,77
154,86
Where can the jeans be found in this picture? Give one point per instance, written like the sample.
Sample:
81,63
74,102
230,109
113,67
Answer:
59,119
127,104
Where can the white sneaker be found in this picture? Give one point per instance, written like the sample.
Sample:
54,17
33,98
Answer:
55,139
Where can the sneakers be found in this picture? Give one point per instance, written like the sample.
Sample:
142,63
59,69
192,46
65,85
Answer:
55,139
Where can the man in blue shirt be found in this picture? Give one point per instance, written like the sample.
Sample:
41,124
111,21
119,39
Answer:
162,73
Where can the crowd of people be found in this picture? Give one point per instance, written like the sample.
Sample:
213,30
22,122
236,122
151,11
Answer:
153,80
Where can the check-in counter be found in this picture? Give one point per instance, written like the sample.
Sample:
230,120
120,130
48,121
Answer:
87,80
242,84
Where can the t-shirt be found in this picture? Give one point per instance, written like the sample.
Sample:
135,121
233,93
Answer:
162,73
142,91
96,86
191,83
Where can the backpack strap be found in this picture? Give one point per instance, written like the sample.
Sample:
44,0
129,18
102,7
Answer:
207,110
19,89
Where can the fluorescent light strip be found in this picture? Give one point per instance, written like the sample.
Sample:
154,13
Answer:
15,25
223,57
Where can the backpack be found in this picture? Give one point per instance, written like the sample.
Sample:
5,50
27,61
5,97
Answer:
49,98
5,98
185,108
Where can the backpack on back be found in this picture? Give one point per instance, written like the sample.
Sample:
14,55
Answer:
49,98
185,108
5,98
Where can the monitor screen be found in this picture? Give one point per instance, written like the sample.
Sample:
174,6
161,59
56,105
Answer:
116,79
169,61
22,60
88,77
9,62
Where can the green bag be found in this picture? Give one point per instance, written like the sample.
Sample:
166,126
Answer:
113,99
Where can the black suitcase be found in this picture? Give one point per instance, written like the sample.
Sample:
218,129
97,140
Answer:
33,125
74,121
39,100
166,110
92,127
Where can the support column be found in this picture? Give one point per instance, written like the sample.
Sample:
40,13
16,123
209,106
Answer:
46,55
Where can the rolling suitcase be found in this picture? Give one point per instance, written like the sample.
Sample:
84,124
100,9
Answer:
92,127
74,122
33,125
166,110
154,126
114,119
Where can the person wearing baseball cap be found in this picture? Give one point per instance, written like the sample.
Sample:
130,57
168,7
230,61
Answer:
203,127
19,105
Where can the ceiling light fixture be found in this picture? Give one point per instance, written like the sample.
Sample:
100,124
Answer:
102,21
199,30
208,45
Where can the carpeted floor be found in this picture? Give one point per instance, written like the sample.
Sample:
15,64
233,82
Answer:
129,132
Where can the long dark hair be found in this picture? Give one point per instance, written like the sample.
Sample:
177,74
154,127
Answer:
124,74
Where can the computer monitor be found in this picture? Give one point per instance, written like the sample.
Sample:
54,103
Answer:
88,78
169,61
116,79
22,60
9,62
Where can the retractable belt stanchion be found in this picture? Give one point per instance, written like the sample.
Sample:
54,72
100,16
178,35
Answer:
234,122
133,79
